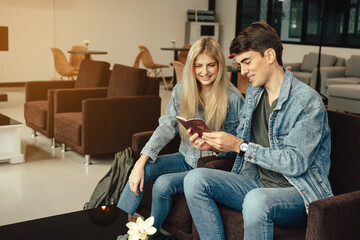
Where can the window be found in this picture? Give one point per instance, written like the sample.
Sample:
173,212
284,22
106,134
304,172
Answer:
295,22
250,12
304,21
353,33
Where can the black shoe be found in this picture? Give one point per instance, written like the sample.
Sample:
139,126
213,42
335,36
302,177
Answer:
160,236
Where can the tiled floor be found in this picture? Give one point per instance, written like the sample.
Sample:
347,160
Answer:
48,182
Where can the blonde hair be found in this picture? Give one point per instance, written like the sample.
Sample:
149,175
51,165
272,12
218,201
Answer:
190,100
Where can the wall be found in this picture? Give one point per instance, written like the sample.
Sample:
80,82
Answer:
119,27
30,37
115,26
226,15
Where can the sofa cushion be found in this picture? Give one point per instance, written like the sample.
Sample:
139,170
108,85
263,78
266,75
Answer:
311,60
68,126
36,113
344,97
348,80
179,215
340,61
345,165
345,91
127,81
93,74
353,67
303,76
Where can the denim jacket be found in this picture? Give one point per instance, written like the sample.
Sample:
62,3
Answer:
300,139
168,125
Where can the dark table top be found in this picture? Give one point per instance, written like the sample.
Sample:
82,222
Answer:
6,121
87,52
86,224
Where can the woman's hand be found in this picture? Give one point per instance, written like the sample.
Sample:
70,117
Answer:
197,142
137,176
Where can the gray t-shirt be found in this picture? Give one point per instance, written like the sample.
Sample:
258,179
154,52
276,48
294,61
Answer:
260,131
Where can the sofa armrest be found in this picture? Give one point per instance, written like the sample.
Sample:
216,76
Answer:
138,142
313,79
70,100
337,217
140,139
294,67
115,120
37,90
330,72
215,162
340,61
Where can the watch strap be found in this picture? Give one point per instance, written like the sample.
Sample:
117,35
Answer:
242,153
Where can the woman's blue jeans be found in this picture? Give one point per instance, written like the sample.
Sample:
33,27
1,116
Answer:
168,173
261,207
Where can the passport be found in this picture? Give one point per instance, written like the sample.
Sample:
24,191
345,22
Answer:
197,125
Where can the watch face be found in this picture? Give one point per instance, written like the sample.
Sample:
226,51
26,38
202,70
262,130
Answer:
243,147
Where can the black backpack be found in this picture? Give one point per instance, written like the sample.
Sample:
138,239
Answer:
109,188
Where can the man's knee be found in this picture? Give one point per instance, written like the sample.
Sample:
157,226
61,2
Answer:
256,205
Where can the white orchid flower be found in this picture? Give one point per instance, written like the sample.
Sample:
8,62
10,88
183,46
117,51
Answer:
173,40
141,228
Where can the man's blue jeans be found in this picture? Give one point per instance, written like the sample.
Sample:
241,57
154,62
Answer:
261,207
168,173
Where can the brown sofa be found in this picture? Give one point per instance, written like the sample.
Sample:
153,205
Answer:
39,95
337,217
103,120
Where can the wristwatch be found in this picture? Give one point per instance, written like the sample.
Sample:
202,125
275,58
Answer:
243,148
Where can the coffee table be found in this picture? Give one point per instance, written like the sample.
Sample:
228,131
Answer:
10,143
98,223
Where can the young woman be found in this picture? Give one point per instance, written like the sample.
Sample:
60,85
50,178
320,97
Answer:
205,93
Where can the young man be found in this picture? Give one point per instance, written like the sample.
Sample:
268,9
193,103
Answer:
282,146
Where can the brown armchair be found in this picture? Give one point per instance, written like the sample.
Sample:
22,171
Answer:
337,217
39,95
97,121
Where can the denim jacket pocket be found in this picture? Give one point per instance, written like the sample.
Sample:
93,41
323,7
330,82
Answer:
231,126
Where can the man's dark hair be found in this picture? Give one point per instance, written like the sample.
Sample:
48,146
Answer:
257,37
